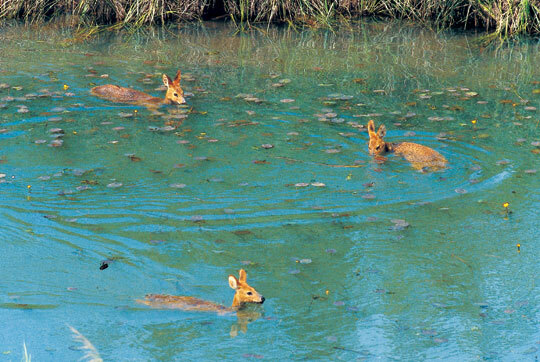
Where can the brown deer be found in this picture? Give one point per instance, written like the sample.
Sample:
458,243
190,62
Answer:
244,294
418,155
114,93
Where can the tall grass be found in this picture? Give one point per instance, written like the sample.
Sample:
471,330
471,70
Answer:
503,17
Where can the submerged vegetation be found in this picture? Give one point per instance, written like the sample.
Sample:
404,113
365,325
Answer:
503,17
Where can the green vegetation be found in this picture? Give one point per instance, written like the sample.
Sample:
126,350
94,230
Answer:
503,17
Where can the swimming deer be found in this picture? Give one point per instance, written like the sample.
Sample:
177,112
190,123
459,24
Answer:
418,155
114,93
244,294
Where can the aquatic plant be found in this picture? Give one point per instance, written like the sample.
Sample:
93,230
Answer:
504,17
26,357
92,354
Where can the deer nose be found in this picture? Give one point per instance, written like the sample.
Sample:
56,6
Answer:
262,300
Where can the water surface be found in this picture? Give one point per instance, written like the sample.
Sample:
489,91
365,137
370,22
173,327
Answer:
267,169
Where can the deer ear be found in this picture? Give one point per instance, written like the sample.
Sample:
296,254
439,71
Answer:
178,77
166,80
371,126
382,131
233,282
243,275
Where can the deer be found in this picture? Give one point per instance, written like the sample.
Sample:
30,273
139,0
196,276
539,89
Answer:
420,157
115,93
244,294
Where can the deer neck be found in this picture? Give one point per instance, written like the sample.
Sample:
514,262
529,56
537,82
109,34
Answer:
236,304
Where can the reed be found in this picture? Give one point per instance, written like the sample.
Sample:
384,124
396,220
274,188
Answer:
504,18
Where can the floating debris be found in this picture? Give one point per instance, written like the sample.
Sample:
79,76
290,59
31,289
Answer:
56,131
56,143
177,185
400,224
197,218
113,185
78,172
267,146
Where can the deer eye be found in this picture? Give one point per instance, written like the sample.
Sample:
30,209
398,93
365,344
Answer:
176,94
378,148
249,293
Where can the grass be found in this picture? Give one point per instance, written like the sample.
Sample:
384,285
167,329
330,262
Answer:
504,18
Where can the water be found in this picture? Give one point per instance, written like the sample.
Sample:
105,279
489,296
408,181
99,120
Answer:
313,219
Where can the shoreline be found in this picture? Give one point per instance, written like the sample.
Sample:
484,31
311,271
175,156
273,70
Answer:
501,19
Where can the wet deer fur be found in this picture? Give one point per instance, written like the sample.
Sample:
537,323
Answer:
244,294
418,155
115,93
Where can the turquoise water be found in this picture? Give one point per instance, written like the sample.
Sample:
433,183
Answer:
357,259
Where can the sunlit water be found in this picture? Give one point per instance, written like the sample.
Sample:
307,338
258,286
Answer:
178,199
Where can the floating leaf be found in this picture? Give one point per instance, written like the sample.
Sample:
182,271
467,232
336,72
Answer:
177,185
56,143
243,232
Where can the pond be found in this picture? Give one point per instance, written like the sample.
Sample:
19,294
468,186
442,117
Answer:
267,169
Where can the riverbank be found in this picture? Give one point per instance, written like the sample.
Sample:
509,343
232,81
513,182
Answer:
503,18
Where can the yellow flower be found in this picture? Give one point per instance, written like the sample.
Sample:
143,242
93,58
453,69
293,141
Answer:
66,87
505,205
473,121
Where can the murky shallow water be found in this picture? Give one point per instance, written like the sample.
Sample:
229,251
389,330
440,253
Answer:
180,199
